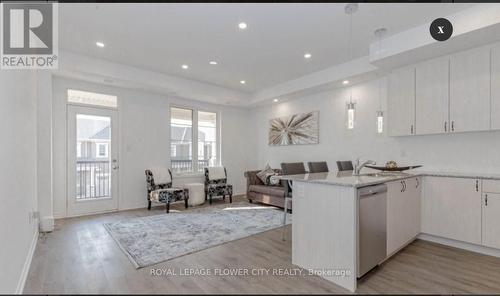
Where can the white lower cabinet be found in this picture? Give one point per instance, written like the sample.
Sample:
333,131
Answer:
491,220
451,208
403,213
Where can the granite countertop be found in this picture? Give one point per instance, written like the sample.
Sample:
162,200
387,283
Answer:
347,179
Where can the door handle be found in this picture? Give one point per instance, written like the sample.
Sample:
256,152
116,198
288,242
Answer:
445,126
411,129
453,126
486,200
477,186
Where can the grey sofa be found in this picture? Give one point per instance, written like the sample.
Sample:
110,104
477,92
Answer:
257,191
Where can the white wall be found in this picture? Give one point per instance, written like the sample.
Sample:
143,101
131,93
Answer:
467,152
144,140
18,188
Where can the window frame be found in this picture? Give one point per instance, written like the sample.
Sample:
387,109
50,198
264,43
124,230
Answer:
194,138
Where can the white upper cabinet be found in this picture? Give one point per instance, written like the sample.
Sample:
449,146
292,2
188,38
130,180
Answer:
432,96
401,102
495,87
470,90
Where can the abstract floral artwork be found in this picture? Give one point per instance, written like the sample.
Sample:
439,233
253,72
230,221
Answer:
297,129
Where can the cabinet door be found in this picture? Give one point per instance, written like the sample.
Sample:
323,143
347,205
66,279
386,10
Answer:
432,96
396,216
491,220
451,208
495,87
403,213
401,102
413,191
470,90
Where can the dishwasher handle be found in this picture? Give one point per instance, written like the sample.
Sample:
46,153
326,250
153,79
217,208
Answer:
371,190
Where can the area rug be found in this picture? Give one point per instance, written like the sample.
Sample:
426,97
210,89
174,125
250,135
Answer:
153,239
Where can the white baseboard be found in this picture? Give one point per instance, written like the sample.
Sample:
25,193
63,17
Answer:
59,215
127,208
461,245
27,264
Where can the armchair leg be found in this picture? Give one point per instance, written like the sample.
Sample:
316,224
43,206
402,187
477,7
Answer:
230,198
223,197
186,203
210,198
168,207
149,205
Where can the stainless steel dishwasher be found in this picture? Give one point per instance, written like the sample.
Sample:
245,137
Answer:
372,231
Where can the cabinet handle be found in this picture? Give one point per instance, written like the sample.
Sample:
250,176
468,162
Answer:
453,126
418,183
477,185
402,186
411,129
486,200
445,126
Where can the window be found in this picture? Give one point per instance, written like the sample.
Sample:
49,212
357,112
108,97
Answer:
79,149
193,140
102,150
207,139
90,98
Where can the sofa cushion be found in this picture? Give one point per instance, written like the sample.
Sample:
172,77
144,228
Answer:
269,190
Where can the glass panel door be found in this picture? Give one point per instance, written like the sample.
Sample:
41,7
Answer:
92,160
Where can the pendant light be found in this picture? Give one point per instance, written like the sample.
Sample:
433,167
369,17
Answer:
351,105
380,33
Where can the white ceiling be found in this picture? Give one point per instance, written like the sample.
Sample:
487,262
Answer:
162,37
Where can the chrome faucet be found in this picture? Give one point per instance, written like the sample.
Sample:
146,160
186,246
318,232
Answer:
358,166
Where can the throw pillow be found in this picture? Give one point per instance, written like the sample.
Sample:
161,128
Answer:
265,174
273,180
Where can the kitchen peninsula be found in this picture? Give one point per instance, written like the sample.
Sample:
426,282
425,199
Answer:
344,225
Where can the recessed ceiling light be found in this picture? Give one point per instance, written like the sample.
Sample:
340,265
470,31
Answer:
242,26
185,67
99,44
213,63
345,82
275,100
307,55
243,81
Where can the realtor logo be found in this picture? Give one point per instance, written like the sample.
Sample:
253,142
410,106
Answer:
28,35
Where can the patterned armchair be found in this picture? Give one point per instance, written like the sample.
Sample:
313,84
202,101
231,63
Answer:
164,192
216,184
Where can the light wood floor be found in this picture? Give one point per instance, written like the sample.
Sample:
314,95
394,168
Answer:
81,257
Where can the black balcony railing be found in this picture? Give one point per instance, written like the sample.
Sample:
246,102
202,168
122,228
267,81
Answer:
93,179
